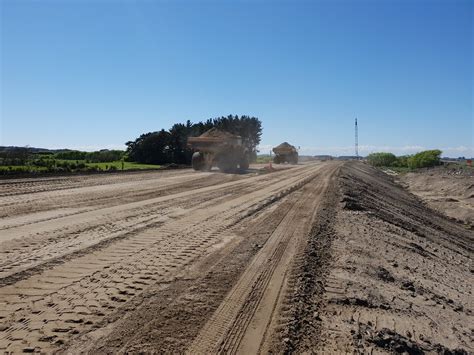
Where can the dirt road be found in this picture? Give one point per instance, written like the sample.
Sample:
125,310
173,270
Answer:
108,263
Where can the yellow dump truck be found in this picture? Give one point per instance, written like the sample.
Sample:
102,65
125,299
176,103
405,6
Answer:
285,152
219,148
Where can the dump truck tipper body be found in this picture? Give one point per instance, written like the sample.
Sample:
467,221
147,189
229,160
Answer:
221,148
285,152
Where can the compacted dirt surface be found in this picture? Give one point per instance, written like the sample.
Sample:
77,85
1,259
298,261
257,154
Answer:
319,257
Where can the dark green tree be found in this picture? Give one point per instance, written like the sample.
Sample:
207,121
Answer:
151,148
179,134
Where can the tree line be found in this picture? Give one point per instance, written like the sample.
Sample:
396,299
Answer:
101,156
16,156
424,159
170,146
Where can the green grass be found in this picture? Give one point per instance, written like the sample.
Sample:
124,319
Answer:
127,165
263,159
99,166
22,168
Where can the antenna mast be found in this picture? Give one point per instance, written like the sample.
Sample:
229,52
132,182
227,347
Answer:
356,140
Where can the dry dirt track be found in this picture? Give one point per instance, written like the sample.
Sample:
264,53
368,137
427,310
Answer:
171,261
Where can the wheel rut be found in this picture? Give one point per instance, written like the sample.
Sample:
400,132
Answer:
52,305
61,237
242,322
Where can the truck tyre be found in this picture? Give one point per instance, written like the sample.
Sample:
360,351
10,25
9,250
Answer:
294,159
244,162
197,161
206,166
276,159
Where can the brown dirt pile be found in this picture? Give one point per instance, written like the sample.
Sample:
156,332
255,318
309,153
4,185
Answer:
401,274
284,145
217,133
447,190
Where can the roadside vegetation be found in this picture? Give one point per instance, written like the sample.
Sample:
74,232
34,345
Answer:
424,159
17,160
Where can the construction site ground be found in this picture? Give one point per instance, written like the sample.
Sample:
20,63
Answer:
325,257
448,190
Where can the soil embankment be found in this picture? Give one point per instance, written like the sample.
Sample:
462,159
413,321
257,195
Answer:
401,274
446,190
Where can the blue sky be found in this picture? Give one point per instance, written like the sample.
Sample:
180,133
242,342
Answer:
95,74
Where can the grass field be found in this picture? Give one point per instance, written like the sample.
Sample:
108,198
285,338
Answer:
116,165
126,165
23,168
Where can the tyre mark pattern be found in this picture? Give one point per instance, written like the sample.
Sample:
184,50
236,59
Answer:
66,240
46,310
226,328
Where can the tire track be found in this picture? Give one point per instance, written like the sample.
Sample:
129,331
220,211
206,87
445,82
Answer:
22,251
21,206
11,187
45,310
228,329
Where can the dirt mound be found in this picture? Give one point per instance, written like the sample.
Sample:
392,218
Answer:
284,145
368,189
446,190
396,275
218,133
456,169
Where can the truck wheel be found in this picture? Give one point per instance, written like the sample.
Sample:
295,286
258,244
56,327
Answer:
244,163
206,167
197,161
276,159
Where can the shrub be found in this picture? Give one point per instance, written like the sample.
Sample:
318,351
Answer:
402,161
425,159
381,159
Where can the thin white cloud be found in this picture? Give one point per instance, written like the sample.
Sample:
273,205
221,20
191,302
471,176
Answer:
93,148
